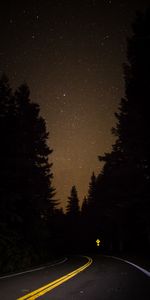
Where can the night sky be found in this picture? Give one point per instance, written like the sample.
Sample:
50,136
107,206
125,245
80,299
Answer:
70,53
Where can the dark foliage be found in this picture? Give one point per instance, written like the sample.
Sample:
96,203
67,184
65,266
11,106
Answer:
73,221
26,192
72,208
91,198
125,180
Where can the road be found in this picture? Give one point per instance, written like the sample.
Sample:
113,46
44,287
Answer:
106,278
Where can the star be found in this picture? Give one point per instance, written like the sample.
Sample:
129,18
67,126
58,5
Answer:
108,2
33,36
106,36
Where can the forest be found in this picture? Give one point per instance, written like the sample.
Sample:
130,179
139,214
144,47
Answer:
33,227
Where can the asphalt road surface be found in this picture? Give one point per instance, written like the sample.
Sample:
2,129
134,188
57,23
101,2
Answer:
105,278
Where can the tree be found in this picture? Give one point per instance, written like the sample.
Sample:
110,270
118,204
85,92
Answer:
72,208
132,129
33,153
26,193
8,236
91,198
33,171
127,167
84,208
72,235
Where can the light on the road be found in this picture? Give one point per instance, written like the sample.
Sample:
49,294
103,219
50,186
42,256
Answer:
98,242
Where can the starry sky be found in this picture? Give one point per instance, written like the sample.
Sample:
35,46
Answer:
70,53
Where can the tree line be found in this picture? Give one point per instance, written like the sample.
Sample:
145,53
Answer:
26,192
117,207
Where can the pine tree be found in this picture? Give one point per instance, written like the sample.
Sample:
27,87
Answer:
33,171
127,167
133,120
91,198
5,96
26,193
10,235
72,208
73,221
84,208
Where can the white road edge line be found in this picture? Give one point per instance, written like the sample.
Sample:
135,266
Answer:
136,266
36,269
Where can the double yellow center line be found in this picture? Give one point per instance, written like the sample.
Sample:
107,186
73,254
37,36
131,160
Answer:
48,287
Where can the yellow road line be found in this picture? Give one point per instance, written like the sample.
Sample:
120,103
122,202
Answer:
48,287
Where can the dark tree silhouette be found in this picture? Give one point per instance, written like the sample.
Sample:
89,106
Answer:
73,221
72,208
26,193
8,236
91,198
91,209
126,174
84,208
33,169
33,154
